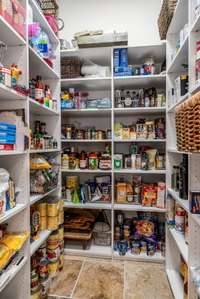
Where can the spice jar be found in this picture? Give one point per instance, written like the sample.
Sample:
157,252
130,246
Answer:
93,161
68,132
100,134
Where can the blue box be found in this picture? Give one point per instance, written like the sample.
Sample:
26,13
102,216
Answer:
116,57
6,126
124,57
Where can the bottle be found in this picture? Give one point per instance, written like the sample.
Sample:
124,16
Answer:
133,152
39,90
128,100
83,160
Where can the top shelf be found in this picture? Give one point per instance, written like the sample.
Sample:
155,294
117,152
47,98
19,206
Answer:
9,35
39,17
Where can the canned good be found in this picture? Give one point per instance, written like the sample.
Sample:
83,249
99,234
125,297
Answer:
61,261
61,217
43,223
53,268
52,223
61,232
43,268
52,207
42,252
42,208
143,247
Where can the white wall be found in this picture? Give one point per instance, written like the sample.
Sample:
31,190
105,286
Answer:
138,17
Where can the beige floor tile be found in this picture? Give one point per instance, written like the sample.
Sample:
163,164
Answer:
146,280
100,280
64,283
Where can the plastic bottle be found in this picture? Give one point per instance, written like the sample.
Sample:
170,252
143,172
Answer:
39,90
43,44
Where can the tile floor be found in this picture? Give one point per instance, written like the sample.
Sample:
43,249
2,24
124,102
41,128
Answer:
88,278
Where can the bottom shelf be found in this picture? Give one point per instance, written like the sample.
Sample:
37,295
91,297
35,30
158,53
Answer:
157,258
176,283
93,250
10,273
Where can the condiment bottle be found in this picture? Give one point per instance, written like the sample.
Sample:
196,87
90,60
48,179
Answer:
83,160
39,90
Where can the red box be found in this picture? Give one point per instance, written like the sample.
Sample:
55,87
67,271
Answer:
19,18
7,147
6,10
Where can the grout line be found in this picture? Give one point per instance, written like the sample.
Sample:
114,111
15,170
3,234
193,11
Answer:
59,296
73,290
124,290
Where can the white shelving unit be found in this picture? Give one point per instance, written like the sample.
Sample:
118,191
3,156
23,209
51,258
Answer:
176,246
103,119
17,284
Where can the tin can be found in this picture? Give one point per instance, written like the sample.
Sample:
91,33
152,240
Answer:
52,207
52,223
42,208
53,268
43,223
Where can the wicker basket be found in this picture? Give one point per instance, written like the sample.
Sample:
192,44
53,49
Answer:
187,121
71,67
102,234
165,16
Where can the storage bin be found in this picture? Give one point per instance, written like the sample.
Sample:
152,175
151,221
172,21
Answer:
102,234
165,16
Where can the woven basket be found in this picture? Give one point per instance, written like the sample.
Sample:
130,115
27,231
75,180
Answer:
49,7
165,16
70,67
187,121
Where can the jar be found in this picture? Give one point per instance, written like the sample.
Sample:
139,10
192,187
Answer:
52,207
68,132
93,134
72,161
180,220
160,161
99,135
109,134
126,133
83,160
93,161
135,248
150,249
138,161
143,247
65,161
80,134
88,134
127,162
105,162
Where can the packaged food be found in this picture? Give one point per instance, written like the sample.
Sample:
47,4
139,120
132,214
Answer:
149,195
180,220
129,192
145,228
52,207
39,162
151,158
121,192
161,187
118,161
